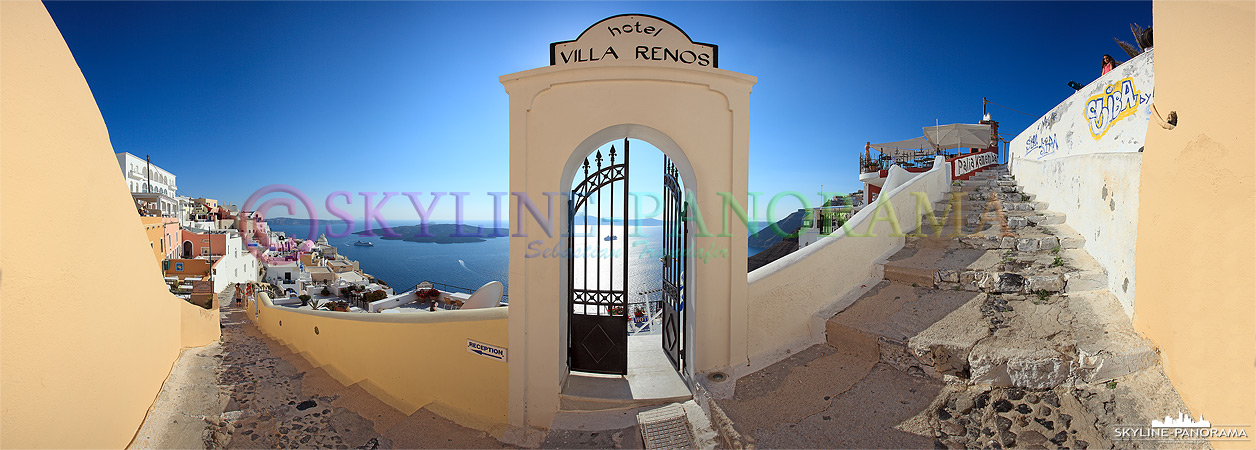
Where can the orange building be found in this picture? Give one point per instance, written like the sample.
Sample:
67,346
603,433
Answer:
202,244
163,236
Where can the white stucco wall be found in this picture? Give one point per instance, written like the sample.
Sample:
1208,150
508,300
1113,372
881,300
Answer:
1099,194
1088,168
794,295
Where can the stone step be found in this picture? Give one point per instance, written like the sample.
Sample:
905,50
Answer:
593,392
1043,237
1002,196
982,205
973,215
1074,340
885,318
935,263
994,339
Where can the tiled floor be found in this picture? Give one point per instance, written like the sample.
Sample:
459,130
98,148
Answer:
650,376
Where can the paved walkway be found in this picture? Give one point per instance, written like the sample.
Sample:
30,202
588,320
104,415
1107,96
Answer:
275,399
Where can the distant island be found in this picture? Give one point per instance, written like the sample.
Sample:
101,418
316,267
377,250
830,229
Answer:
439,233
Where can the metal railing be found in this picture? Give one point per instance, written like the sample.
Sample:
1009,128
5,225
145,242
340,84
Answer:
876,164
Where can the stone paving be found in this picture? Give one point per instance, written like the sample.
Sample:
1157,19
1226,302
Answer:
275,399
994,331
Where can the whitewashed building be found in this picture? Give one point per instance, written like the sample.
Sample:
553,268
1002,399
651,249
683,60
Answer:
150,183
236,265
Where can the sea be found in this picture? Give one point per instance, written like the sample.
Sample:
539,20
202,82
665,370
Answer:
404,264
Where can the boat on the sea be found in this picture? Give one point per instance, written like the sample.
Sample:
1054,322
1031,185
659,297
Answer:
364,244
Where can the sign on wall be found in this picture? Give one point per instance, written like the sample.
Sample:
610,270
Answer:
965,165
634,38
1110,115
486,350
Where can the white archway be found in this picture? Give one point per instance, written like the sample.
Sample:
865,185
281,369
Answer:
696,115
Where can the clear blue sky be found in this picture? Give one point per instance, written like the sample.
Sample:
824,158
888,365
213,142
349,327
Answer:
404,96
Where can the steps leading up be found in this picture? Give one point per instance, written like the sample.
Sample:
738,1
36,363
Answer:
1002,294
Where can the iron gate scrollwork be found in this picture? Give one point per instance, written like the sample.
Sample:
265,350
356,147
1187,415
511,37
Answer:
674,257
598,310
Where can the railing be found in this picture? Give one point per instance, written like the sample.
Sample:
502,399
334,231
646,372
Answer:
918,161
830,221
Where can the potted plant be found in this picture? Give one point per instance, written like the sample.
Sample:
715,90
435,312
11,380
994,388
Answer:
325,292
305,299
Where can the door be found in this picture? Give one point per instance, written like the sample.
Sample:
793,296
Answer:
674,257
598,306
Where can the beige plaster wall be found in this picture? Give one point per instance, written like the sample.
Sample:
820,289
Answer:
699,118
1196,217
408,361
82,373
794,295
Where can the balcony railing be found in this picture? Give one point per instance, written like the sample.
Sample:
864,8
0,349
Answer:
877,164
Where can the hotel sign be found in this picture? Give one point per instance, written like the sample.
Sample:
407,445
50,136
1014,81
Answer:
634,38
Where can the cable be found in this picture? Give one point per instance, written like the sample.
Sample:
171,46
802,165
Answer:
1022,112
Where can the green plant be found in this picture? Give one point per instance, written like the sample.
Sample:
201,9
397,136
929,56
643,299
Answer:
325,292
1112,385
1059,262
1043,295
956,183
1024,197
305,299
1055,250
375,295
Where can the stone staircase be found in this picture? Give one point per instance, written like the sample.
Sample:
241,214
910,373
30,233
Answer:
993,330
998,290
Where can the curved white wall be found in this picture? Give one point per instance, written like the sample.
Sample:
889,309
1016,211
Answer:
794,295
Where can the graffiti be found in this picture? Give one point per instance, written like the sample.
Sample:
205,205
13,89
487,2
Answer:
1118,101
1045,145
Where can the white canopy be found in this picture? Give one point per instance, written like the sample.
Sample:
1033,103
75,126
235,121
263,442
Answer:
959,135
906,150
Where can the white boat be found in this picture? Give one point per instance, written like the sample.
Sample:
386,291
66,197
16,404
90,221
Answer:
364,244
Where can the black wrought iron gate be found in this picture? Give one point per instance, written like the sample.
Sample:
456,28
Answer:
598,321
674,257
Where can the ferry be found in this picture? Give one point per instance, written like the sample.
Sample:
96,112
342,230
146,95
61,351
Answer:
364,244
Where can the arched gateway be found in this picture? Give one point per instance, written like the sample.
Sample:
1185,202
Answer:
626,77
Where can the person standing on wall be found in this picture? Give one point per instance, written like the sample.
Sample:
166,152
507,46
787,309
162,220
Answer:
1108,64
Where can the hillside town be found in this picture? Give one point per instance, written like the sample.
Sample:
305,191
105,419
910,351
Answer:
207,250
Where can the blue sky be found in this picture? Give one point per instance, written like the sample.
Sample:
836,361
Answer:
404,96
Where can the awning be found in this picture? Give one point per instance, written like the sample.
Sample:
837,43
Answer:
959,135
906,150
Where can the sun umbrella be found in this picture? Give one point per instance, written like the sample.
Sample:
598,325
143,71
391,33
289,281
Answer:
959,135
